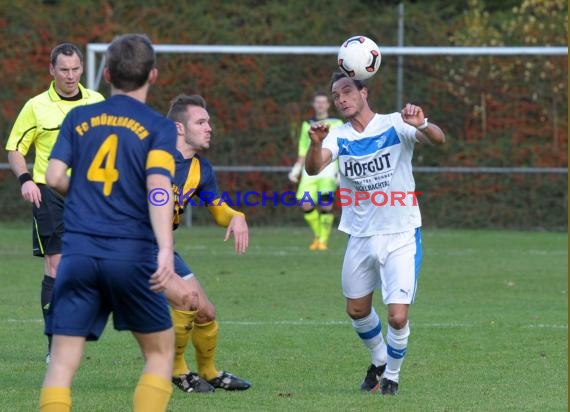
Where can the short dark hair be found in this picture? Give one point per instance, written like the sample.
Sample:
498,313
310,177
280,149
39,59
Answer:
67,49
178,105
320,94
340,75
130,59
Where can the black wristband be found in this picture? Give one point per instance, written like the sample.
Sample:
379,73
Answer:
24,177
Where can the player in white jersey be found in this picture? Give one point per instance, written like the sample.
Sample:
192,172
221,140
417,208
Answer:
380,213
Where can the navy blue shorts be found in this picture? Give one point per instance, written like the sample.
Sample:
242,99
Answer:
180,267
87,289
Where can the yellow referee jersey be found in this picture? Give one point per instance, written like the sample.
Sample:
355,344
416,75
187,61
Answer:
39,122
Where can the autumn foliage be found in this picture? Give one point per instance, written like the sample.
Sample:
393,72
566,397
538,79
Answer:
497,111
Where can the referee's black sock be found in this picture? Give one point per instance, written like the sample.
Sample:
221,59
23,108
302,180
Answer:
47,288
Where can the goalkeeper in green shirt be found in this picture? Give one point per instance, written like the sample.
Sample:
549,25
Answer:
315,193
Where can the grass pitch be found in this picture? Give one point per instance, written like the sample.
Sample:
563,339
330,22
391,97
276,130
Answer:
488,329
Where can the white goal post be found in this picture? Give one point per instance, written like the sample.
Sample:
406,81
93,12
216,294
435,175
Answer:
95,69
94,73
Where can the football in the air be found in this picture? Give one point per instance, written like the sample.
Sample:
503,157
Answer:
359,57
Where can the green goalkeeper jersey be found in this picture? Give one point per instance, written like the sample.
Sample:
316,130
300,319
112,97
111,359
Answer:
304,140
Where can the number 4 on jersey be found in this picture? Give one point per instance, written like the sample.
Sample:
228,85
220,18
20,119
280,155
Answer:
102,168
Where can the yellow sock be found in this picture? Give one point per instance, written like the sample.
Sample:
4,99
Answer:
312,218
183,321
55,399
205,340
152,394
326,220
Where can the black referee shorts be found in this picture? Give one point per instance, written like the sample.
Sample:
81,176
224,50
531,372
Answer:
48,223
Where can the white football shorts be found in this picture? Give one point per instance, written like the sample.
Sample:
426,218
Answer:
390,262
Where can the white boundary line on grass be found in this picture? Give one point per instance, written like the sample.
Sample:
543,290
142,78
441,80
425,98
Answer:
302,322
306,322
539,326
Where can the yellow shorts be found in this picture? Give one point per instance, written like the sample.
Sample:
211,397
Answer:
312,186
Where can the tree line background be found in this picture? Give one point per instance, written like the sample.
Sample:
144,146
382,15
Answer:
496,111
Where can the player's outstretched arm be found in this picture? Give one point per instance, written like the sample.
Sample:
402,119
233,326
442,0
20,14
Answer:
426,131
317,158
161,221
56,176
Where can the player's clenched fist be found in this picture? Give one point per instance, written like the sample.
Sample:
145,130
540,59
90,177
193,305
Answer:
413,115
318,132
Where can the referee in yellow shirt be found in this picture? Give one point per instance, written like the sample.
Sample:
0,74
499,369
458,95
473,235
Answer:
38,124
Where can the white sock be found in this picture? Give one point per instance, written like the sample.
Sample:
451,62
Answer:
369,329
397,340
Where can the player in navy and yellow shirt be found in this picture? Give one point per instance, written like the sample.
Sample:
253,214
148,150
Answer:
37,127
120,151
195,183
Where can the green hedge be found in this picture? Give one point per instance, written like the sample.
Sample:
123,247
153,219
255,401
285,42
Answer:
496,111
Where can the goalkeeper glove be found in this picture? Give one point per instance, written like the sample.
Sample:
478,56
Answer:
295,173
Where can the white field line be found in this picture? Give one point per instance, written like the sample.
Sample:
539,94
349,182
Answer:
287,250
302,322
539,326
